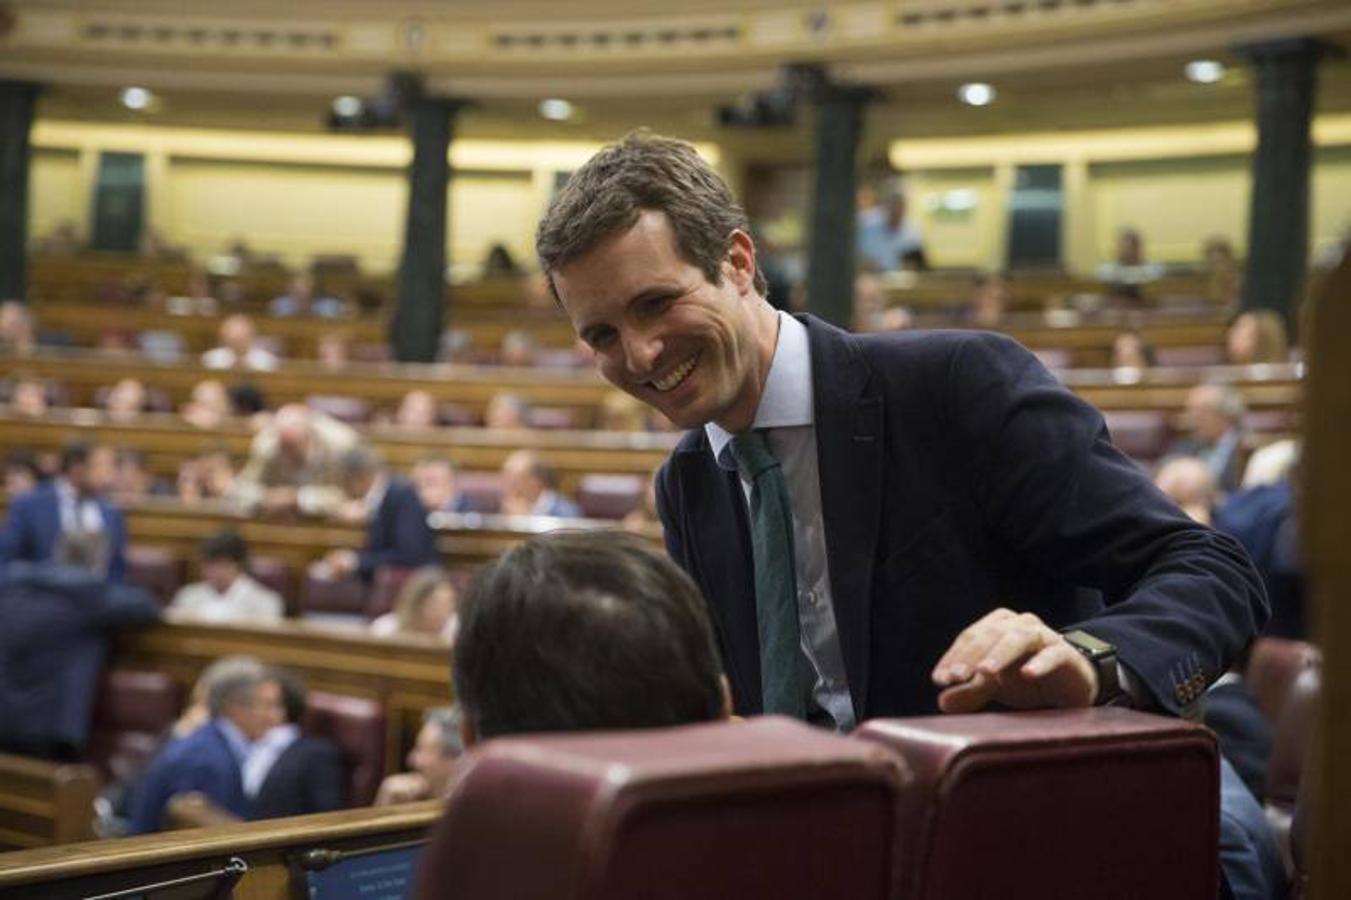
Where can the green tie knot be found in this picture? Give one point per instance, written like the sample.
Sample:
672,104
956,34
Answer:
752,454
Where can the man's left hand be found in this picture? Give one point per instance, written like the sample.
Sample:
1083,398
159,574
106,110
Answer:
1014,659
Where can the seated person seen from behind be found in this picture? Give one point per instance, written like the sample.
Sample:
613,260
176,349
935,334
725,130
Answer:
397,533
239,348
58,617
525,658
1257,336
293,464
286,772
227,593
243,703
74,501
425,606
529,488
434,480
432,760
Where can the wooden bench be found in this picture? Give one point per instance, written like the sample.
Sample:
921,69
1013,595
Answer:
271,851
45,803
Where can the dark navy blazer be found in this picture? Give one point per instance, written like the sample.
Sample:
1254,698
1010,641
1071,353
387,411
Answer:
398,533
202,761
958,476
33,529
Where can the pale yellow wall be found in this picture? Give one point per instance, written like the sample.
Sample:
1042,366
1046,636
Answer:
1330,197
970,239
55,191
492,207
295,210
1175,204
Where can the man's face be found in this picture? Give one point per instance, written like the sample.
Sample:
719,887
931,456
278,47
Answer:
220,573
429,759
435,484
261,712
695,351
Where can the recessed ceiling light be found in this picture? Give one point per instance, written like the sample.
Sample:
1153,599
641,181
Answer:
1204,71
555,110
137,98
976,93
347,106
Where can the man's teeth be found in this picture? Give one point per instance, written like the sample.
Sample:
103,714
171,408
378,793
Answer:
675,376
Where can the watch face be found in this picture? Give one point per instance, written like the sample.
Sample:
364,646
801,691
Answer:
1089,644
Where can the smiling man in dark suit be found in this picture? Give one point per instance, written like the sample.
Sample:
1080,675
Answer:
887,524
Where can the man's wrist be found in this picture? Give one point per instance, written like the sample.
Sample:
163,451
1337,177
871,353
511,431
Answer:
1102,659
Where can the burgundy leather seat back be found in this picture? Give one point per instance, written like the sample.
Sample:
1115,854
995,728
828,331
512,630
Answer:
344,596
156,569
1140,434
357,726
1102,803
610,496
385,588
1289,753
767,808
1273,667
132,713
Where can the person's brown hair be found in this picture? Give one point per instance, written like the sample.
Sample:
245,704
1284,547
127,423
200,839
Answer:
643,172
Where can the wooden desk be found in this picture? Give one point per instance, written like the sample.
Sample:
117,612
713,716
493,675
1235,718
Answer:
268,848
45,803
167,442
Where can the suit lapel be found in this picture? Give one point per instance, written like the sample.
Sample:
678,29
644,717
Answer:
717,516
849,438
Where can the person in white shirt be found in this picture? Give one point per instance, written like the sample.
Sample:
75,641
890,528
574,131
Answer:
239,348
227,593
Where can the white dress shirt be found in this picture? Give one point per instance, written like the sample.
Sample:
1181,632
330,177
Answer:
787,415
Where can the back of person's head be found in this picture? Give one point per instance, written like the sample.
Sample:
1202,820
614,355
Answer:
87,550
232,680
425,602
359,464
605,197
225,546
584,630
75,454
446,721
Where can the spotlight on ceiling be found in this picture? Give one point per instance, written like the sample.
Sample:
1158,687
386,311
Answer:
1204,71
555,109
137,98
347,106
976,93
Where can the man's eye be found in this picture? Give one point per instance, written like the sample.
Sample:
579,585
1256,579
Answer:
599,340
654,305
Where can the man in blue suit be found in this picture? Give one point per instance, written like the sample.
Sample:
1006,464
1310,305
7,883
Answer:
73,502
958,531
244,701
397,533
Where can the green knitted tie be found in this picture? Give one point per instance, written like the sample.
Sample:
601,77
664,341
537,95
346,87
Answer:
775,578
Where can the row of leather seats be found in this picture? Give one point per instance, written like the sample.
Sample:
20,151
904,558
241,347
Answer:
1104,803
135,709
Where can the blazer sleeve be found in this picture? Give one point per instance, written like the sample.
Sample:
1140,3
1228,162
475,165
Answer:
15,528
116,527
398,536
1182,600
325,779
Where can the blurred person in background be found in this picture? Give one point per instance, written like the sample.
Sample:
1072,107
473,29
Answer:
1189,483
434,480
206,477
507,412
529,488
425,606
1215,421
886,236
333,350
28,397
227,592
209,405
432,760
417,410
18,337
989,300
127,400
1257,336
518,349
22,473
239,348
132,479
397,533
294,464
1130,350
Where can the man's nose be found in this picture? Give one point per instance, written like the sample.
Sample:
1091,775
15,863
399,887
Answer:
641,349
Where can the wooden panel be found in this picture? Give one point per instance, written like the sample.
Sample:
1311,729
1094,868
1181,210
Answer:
267,848
1325,497
45,803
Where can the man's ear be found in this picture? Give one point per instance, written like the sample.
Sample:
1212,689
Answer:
726,697
468,734
741,260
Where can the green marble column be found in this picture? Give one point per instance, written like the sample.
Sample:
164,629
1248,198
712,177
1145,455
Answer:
17,101
830,262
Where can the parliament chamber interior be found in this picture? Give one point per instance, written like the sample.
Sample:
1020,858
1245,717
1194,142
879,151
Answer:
775,449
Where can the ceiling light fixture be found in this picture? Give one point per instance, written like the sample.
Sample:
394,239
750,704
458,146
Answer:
976,93
1204,71
555,109
137,98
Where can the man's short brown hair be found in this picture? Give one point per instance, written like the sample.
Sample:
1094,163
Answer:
643,172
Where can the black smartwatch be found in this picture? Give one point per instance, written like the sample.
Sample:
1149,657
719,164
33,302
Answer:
1102,656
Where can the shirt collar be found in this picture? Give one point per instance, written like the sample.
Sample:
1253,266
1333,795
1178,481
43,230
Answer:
238,743
787,398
